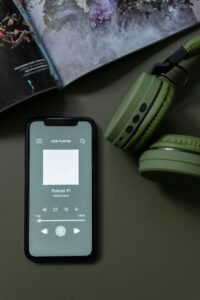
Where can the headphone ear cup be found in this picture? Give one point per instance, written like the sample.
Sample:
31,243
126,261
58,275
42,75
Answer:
177,141
153,118
174,159
133,109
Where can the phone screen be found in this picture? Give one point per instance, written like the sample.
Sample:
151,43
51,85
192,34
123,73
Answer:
60,189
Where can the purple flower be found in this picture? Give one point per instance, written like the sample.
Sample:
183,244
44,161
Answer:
102,11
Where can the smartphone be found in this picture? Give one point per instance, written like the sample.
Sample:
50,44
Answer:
60,188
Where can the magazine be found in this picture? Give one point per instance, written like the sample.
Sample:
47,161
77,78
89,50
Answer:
46,44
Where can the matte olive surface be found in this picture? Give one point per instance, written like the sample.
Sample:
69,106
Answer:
149,235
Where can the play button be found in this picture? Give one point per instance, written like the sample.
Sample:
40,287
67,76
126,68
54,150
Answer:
76,230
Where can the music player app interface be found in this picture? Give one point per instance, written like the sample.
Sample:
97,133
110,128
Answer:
60,190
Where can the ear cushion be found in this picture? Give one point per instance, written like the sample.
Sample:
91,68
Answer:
153,119
133,109
167,166
175,141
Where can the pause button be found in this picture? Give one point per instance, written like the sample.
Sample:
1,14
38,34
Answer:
60,231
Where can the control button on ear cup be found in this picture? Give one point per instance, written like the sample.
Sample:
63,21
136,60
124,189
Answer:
152,119
175,141
136,118
129,129
136,104
174,167
143,107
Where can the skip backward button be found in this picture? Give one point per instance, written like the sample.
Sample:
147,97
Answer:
44,231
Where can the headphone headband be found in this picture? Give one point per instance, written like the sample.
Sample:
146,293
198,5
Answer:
189,50
192,47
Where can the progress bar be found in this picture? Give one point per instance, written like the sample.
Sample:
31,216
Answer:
67,220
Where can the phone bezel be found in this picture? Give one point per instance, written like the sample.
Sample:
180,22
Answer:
61,121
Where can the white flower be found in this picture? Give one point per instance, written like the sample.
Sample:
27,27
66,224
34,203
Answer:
83,4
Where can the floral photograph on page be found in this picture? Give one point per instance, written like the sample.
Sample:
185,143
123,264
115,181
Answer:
81,35
24,69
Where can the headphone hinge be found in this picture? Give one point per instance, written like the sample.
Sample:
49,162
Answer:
171,62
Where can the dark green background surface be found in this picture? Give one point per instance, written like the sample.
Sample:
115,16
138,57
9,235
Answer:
149,235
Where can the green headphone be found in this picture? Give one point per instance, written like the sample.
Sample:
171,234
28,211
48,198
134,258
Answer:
173,158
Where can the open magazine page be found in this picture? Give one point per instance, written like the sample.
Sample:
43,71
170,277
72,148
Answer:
81,35
24,70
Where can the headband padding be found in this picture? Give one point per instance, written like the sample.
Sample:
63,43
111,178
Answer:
153,119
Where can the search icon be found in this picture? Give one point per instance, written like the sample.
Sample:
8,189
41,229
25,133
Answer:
82,141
